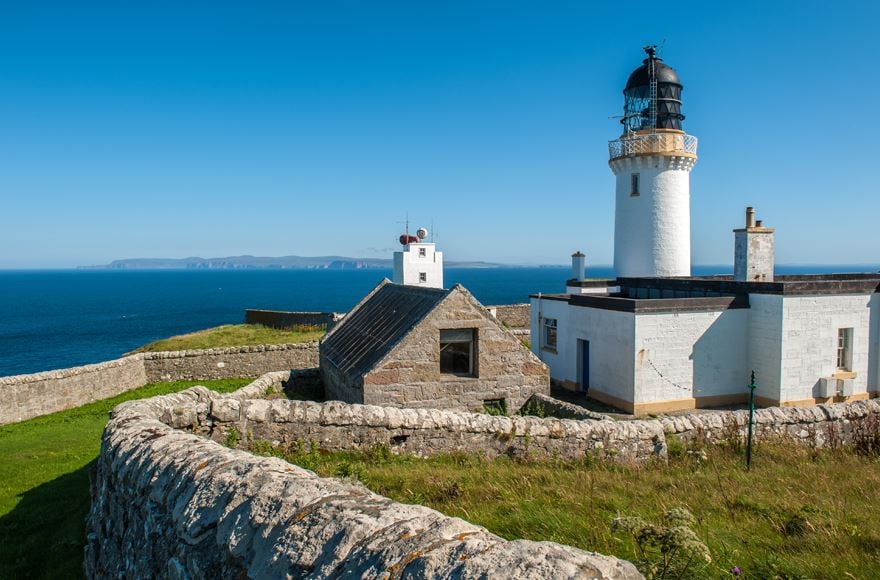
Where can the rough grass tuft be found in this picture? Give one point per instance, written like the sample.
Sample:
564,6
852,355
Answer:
799,512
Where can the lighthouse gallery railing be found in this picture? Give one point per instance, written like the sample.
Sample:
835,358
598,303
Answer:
648,143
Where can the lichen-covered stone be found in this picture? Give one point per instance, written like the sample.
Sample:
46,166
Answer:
166,503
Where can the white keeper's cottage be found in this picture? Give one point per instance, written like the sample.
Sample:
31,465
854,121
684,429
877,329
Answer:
657,339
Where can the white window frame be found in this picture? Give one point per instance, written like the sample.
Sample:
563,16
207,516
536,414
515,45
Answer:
844,349
550,325
423,277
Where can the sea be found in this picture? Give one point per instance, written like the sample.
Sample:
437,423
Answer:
52,319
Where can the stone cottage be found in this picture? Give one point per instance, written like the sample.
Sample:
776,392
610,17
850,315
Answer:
411,346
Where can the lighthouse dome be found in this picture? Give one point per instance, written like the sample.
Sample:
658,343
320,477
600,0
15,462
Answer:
652,97
641,77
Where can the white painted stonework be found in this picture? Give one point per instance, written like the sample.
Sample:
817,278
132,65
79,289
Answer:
789,341
809,341
690,354
765,343
652,230
611,336
753,255
416,261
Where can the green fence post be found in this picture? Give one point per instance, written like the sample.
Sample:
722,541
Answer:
751,421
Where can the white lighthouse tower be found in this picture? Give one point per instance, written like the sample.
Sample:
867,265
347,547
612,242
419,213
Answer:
652,161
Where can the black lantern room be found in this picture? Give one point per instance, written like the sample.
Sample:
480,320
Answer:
652,97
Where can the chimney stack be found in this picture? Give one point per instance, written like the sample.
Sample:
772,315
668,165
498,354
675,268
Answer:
750,217
578,266
753,259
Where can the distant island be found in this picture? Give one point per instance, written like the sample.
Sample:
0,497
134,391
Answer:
268,263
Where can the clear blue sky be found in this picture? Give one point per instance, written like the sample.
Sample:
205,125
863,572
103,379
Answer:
173,129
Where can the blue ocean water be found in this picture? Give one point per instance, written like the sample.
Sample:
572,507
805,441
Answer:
62,318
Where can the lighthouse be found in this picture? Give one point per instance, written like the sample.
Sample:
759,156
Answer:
652,161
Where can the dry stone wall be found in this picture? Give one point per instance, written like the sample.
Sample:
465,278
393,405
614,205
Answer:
340,426
166,503
819,426
27,396
513,316
232,362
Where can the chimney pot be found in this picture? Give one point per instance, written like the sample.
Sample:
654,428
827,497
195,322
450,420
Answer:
750,217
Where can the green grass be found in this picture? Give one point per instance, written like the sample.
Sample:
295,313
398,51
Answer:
234,335
798,513
44,483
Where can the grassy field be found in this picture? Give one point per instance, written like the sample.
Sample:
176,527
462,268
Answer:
797,514
44,483
233,335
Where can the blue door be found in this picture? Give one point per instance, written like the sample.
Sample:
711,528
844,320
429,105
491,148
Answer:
585,364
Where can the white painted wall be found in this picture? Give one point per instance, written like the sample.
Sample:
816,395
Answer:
765,343
652,231
691,354
809,341
408,264
611,336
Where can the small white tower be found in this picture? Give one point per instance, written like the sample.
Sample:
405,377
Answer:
652,161
419,263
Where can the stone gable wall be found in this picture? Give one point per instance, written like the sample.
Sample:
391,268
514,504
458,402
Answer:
410,375
166,503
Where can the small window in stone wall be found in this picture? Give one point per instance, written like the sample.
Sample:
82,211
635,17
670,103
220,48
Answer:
634,184
423,276
457,350
422,252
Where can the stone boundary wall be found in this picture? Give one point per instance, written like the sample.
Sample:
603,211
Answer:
167,503
338,426
284,319
819,426
231,362
27,396
513,316
334,425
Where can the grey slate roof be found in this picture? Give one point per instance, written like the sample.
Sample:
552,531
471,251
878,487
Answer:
368,333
